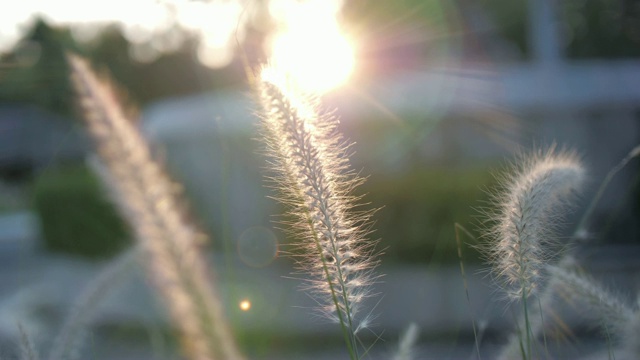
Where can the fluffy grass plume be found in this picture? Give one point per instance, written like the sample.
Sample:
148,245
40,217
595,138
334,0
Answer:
631,334
314,180
27,348
612,313
146,197
539,316
67,345
619,321
406,347
529,206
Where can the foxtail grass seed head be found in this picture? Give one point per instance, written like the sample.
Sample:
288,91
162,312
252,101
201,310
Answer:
547,301
406,347
631,334
528,211
68,343
146,197
27,347
313,178
612,313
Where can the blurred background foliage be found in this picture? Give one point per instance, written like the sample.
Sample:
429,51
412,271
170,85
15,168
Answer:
418,209
601,29
417,212
35,71
76,216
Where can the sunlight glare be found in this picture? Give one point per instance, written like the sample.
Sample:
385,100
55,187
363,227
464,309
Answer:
149,25
217,25
245,305
309,46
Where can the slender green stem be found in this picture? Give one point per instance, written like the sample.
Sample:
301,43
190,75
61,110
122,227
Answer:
527,325
458,228
348,333
347,308
519,332
225,226
592,205
609,349
544,334
349,336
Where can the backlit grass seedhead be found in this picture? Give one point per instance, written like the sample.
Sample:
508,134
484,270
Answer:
631,332
608,309
146,197
529,207
314,180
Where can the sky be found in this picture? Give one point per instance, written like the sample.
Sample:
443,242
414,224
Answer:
145,23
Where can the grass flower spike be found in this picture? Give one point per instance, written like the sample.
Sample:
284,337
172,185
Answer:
605,307
146,197
314,180
529,207
406,348
630,339
547,300
67,344
618,321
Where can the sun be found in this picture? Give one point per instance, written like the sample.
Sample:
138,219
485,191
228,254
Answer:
316,61
310,48
245,305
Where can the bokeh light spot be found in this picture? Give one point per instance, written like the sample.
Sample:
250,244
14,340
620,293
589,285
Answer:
245,305
257,246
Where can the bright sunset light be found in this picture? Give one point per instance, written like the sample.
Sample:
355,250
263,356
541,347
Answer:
309,46
152,27
245,305
308,43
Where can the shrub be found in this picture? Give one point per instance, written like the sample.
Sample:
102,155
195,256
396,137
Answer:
75,216
418,212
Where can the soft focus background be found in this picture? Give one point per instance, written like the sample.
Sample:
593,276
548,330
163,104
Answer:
438,97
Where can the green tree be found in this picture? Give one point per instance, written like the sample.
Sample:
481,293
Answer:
39,73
